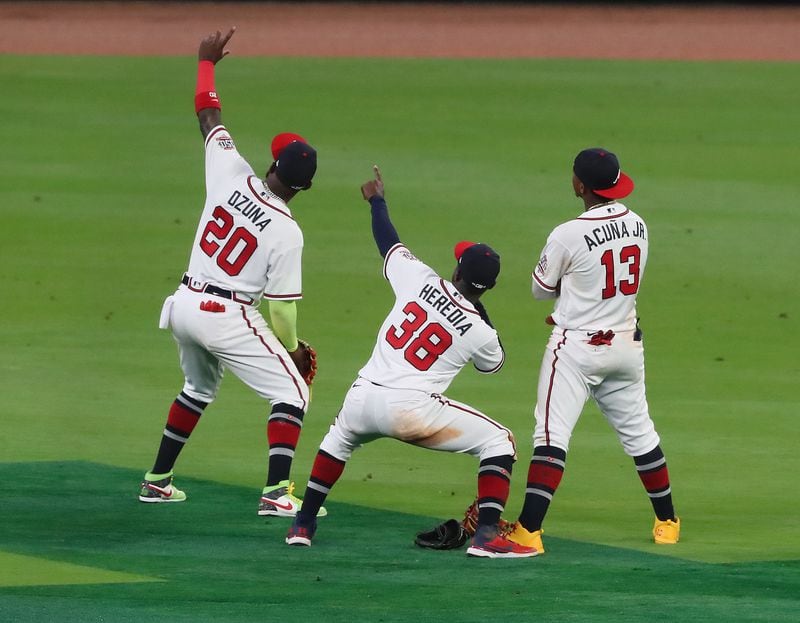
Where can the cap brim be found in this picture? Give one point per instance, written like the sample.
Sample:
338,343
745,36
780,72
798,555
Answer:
622,188
460,247
282,140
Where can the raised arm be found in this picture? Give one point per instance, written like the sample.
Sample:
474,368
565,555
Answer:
382,229
206,102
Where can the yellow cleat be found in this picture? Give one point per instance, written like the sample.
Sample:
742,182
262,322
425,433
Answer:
521,536
667,532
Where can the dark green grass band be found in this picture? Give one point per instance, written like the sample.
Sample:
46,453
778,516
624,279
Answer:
216,560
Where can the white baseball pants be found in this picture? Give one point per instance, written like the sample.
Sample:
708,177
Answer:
572,371
238,339
428,420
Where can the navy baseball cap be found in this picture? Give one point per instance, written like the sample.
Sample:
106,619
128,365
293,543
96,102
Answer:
296,165
599,170
479,264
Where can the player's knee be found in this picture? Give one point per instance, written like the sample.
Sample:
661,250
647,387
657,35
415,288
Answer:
337,445
206,396
556,440
298,400
500,444
641,444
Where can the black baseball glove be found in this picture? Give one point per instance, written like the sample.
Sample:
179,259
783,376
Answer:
452,534
447,535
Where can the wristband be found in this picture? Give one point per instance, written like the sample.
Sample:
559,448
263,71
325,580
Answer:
205,94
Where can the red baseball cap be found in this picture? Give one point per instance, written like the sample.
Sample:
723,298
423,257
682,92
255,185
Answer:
282,140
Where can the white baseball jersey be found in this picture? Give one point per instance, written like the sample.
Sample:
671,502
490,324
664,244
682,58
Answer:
596,262
247,243
431,332
247,240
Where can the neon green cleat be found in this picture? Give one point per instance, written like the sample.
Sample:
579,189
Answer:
279,501
160,491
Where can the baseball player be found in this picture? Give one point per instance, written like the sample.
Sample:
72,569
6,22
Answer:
593,266
434,329
247,247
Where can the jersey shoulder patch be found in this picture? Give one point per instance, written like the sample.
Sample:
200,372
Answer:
403,252
225,142
220,137
399,253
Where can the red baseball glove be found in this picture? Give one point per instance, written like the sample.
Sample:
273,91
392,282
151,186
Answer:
470,521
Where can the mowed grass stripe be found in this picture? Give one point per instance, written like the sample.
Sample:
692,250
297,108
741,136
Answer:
18,570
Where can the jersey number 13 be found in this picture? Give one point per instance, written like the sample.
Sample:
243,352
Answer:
629,256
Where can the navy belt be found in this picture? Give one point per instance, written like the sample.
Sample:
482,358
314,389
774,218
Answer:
216,291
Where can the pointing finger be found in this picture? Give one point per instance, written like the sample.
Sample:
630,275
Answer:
377,172
229,35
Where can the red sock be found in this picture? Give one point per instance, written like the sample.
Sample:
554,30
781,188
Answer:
544,476
652,470
283,432
184,413
494,480
324,474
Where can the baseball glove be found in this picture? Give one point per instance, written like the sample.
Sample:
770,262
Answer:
470,521
449,534
452,534
305,358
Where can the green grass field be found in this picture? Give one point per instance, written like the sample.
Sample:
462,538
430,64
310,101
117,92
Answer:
100,190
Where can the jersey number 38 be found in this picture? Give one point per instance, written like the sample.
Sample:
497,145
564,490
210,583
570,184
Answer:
430,340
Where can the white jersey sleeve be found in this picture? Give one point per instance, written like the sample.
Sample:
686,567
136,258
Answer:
284,271
223,160
552,266
490,357
403,270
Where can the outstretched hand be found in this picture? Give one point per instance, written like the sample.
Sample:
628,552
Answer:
374,187
212,47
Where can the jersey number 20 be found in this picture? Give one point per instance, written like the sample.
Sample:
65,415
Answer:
629,256
239,245
428,343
